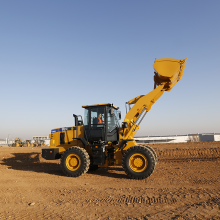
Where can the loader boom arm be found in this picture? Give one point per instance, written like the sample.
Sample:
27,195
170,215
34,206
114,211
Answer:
167,73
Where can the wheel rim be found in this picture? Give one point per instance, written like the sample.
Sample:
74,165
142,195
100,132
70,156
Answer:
138,162
73,162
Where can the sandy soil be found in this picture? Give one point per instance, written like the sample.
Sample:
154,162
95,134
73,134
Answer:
185,185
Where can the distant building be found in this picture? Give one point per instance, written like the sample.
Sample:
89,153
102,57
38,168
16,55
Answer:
40,138
2,142
179,138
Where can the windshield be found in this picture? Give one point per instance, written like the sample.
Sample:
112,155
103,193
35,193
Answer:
113,119
117,117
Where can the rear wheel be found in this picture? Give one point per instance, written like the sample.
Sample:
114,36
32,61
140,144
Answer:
138,162
75,161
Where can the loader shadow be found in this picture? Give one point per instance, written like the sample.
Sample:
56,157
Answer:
32,162
35,163
112,172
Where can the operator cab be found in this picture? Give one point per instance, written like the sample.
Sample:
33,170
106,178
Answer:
101,123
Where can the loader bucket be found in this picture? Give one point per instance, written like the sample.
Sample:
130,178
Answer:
168,72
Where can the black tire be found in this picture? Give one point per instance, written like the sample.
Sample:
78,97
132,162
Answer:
153,151
138,162
75,161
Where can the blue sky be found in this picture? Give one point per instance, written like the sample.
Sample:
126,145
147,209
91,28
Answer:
56,56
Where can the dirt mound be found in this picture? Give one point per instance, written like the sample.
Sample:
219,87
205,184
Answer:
189,154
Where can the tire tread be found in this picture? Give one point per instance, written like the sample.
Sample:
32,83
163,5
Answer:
139,148
85,159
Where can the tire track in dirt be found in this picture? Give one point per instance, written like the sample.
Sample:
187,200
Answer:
134,200
208,209
169,198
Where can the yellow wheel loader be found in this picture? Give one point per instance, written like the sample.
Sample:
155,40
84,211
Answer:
101,141
17,143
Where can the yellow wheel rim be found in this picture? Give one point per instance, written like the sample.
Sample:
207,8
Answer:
73,162
138,162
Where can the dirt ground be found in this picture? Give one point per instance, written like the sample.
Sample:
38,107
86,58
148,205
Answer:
184,185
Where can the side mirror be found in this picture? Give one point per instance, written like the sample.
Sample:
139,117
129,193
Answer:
80,122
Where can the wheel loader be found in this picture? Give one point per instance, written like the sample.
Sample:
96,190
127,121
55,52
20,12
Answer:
100,140
17,143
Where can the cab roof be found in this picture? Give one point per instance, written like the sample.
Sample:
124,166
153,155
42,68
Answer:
106,104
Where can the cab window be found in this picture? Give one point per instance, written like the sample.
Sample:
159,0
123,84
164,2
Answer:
97,117
86,117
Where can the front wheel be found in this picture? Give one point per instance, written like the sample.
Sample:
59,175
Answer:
153,151
75,161
138,162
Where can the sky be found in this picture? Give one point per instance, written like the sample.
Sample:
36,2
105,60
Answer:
56,56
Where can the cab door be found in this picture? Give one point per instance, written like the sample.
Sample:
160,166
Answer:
112,125
95,130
